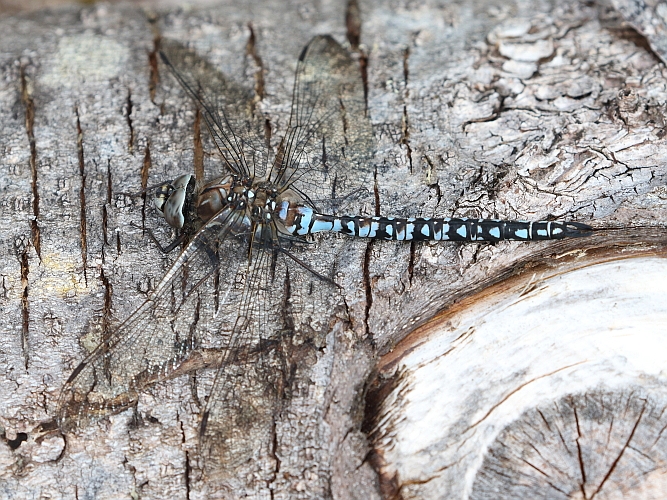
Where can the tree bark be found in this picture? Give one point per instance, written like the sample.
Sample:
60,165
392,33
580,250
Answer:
523,110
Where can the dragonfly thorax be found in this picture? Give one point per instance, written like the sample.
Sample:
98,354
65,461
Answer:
180,201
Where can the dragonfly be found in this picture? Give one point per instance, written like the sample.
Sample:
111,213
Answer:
240,230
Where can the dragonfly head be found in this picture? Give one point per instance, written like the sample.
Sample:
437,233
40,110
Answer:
170,199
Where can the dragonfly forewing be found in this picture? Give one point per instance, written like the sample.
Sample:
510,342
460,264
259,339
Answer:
150,345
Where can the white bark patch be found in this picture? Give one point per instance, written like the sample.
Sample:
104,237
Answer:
527,52
85,58
523,70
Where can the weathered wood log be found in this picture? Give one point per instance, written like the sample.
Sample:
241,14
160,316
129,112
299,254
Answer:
523,110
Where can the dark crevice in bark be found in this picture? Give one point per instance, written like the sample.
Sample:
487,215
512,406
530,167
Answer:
368,254
267,132
353,24
376,194
198,159
145,167
286,311
411,261
187,474
251,50
26,97
286,338
106,306
363,67
192,332
430,176
14,444
128,116
192,383
367,286
216,284
82,197
25,309
626,31
188,469
582,469
406,68
405,138
154,74
620,454
353,34
273,453
405,122
105,208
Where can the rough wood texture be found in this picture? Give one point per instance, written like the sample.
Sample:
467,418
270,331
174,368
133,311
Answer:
517,110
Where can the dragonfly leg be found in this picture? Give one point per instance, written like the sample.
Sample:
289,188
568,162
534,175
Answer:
169,247
166,249
308,268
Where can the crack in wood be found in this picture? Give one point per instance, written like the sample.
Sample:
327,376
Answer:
105,209
251,50
405,121
618,457
128,117
154,73
198,159
29,104
406,68
405,136
187,469
353,24
286,348
106,306
366,280
82,196
145,167
582,468
273,453
430,179
267,132
411,261
517,389
365,270
25,308
353,35
363,68
562,439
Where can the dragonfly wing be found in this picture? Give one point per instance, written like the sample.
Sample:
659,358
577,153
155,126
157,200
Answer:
329,144
247,385
150,345
227,109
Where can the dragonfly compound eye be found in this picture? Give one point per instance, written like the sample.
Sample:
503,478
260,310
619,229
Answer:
161,196
170,200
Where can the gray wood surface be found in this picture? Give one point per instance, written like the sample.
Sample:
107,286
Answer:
525,110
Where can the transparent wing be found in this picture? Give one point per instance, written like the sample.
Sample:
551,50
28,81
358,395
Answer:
150,345
227,109
328,148
246,387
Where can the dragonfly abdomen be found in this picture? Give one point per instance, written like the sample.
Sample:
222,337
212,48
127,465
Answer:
306,221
